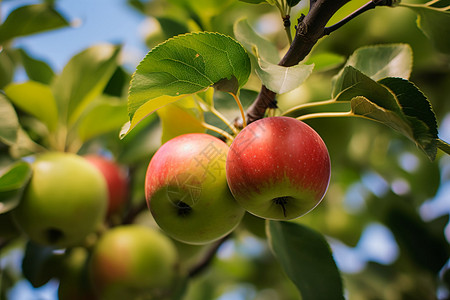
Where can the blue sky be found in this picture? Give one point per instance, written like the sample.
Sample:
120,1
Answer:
93,22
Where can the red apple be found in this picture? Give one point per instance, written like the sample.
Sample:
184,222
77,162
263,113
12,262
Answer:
278,168
116,179
187,192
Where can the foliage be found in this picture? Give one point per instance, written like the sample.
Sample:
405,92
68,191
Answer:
210,68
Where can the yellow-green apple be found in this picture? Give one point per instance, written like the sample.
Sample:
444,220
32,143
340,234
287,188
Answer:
116,180
278,168
65,200
187,192
133,261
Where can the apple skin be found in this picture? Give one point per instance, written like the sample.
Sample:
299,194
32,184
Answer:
278,168
130,261
116,180
65,200
187,192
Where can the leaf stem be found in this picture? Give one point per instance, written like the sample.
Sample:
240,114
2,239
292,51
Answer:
218,130
326,115
208,258
224,119
429,3
309,105
244,121
368,6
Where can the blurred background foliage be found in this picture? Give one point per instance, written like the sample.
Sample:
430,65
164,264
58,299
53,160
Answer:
386,213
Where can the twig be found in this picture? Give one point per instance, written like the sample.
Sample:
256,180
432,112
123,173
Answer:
134,212
309,30
368,6
207,259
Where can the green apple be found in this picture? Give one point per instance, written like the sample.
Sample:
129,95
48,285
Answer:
187,192
133,262
278,168
116,180
65,200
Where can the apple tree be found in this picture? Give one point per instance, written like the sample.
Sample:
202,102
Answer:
249,155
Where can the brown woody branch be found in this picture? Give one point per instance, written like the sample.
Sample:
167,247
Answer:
309,30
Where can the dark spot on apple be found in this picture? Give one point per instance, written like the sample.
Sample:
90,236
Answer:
282,201
183,209
54,235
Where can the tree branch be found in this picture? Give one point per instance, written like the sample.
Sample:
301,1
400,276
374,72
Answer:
207,259
368,6
310,29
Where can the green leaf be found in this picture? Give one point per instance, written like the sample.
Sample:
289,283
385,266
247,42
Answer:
7,66
253,1
12,183
377,62
276,78
183,116
36,99
40,264
306,258
36,70
324,61
368,108
106,115
395,102
418,111
145,110
254,43
434,23
31,19
443,146
24,145
9,123
83,79
352,83
292,3
281,79
172,27
184,65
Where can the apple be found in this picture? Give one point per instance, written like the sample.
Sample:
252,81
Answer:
278,168
116,180
130,261
65,200
187,192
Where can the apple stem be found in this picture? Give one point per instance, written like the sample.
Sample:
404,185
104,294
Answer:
224,119
311,105
54,235
238,101
207,258
218,130
282,201
183,209
326,115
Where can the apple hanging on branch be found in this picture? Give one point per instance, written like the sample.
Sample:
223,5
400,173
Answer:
65,200
278,168
187,192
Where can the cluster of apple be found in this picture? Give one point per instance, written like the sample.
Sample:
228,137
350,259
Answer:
67,201
198,188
